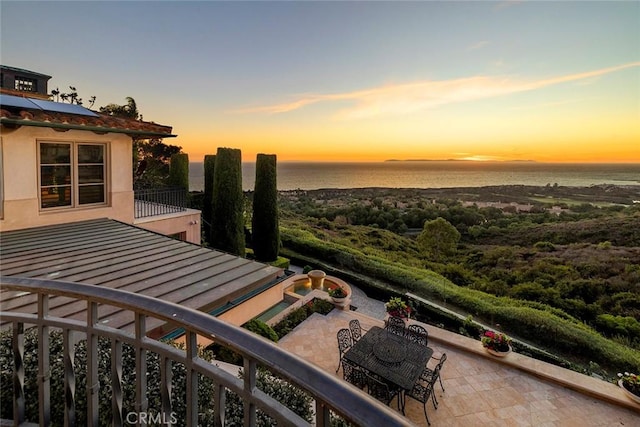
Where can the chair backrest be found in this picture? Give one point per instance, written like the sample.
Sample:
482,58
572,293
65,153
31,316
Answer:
443,359
379,389
395,325
356,330
421,392
436,374
418,334
344,340
353,374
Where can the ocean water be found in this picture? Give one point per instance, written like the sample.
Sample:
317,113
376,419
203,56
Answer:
433,174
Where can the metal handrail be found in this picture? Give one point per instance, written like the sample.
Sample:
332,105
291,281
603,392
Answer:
159,201
329,392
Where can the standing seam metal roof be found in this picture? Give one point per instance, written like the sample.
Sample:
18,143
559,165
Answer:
109,253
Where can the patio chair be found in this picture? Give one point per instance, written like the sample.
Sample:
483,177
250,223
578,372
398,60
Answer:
382,391
353,374
344,343
356,330
395,325
417,334
422,392
427,373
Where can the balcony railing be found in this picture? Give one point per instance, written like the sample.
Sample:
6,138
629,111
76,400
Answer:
329,393
159,201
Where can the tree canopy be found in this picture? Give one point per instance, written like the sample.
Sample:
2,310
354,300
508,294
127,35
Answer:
438,238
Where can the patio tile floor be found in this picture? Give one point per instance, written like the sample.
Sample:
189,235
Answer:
479,391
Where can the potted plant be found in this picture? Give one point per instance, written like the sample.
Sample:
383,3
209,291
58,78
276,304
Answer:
496,343
338,294
630,383
398,308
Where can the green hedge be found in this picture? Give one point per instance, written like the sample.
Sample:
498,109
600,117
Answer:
264,222
227,226
290,396
538,323
179,171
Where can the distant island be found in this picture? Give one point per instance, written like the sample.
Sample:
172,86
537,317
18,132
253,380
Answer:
459,160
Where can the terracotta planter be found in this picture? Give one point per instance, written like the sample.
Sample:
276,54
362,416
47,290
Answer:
339,300
630,395
498,353
405,319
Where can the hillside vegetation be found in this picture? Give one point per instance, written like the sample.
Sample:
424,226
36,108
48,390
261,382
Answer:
567,281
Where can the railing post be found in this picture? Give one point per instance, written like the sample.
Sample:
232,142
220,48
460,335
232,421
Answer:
93,384
141,367
192,379
69,349
44,372
219,397
249,388
323,415
18,373
165,388
116,382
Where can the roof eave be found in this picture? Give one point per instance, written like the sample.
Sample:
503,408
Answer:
97,129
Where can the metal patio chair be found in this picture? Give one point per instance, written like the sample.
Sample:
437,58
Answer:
417,334
395,325
344,343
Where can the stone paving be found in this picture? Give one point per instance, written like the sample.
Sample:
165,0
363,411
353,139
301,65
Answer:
479,391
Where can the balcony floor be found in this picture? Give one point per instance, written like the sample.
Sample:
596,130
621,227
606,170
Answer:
480,390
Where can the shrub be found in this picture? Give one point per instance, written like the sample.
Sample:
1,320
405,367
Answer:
264,223
292,397
227,226
179,171
259,327
207,204
299,315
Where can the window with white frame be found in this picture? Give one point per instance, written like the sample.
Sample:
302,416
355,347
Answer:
72,174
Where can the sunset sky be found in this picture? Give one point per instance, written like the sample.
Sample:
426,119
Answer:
353,81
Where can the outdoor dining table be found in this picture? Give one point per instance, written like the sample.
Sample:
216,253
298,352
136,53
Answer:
390,356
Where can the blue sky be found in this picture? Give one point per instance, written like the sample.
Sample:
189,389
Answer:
353,80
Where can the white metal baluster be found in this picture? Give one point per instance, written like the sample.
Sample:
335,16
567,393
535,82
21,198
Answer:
192,379
116,382
219,397
93,384
141,367
165,388
18,373
44,371
69,349
249,388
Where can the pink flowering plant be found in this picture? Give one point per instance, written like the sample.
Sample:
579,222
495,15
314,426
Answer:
631,382
398,308
496,341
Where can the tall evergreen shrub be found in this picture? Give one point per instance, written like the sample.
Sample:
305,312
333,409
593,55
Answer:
207,204
227,226
179,171
264,224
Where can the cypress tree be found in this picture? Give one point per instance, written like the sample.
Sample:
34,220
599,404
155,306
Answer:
227,226
179,171
207,204
264,224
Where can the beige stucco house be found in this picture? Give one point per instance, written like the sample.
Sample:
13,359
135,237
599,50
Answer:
69,212
61,163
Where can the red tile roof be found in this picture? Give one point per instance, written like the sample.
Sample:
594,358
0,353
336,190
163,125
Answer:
103,123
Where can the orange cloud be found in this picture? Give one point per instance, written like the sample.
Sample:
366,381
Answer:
397,99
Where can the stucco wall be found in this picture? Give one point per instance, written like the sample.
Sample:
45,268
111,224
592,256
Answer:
20,178
184,222
253,307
